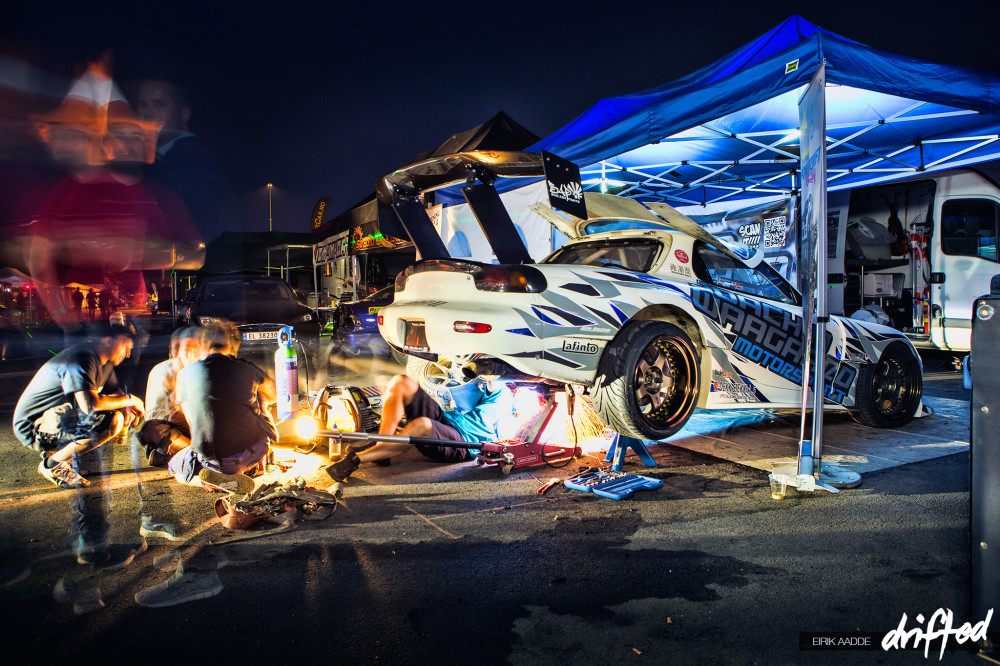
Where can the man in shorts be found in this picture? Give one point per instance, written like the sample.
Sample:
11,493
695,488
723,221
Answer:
72,407
166,430
486,421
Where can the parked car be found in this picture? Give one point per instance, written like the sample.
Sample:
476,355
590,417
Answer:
654,318
357,332
259,305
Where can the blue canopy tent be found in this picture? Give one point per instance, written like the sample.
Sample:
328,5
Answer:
730,130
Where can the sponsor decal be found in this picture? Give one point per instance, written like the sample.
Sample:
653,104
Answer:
331,249
681,256
770,337
577,347
684,271
375,309
735,391
594,329
774,232
791,66
750,234
571,192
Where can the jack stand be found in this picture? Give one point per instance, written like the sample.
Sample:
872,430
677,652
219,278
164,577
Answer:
620,444
801,476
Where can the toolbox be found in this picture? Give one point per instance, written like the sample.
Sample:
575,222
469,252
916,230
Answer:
613,485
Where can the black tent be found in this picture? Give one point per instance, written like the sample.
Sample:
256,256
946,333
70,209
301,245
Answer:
501,132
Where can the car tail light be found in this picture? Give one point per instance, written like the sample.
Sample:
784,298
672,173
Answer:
513,279
487,277
381,320
472,327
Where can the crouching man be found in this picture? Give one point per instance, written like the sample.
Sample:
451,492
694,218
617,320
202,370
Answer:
166,430
72,407
489,419
224,400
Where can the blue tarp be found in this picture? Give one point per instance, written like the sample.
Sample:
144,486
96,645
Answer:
729,130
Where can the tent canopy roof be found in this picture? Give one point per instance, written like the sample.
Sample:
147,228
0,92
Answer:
729,131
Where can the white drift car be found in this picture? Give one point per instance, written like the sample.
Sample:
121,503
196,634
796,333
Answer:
655,318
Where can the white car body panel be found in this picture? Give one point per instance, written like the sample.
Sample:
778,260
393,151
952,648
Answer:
752,349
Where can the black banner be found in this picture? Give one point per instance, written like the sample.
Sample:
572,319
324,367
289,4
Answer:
565,185
319,211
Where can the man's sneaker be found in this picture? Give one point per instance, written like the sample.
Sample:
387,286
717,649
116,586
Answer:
241,484
63,475
181,587
157,458
107,557
343,467
162,530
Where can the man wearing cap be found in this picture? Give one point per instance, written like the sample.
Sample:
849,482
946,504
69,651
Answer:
71,409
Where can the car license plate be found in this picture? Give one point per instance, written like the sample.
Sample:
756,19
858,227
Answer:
262,335
415,336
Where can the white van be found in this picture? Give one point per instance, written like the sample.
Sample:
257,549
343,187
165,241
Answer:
922,249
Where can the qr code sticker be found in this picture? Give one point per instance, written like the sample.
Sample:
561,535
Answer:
774,232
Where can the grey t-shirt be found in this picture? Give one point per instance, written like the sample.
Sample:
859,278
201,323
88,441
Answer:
77,368
219,395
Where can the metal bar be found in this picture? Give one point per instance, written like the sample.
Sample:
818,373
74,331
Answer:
419,228
496,224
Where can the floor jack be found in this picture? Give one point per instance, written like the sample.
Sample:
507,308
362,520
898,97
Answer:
507,454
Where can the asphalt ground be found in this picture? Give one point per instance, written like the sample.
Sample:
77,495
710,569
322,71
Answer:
437,564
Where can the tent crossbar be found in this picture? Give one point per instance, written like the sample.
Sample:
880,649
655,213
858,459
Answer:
987,138
969,149
711,172
935,116
649,178
746,139
766,147
888,157
762,191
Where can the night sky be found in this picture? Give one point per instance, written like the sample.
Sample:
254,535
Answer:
322,99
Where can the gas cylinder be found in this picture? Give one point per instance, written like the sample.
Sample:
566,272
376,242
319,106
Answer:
286,374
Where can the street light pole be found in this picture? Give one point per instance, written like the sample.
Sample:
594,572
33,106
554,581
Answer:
269,188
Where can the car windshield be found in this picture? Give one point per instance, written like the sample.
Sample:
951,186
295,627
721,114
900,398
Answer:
385,293
255,290
627,253
724,271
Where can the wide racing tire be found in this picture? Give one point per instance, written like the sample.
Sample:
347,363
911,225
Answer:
888,392
647,380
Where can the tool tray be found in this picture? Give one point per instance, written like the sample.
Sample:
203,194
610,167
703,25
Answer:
613,485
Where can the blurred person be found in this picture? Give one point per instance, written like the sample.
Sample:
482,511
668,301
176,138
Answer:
102,223
489,419
183,162
166,430
92,304
77,298
69,412
225,401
